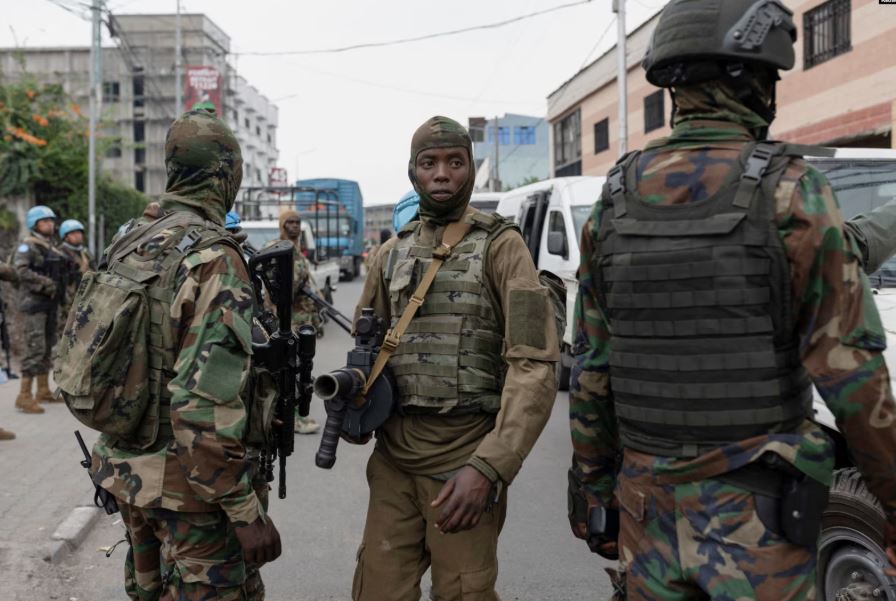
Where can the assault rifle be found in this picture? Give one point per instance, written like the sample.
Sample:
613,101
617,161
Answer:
58,271
332,312
102,497
287,355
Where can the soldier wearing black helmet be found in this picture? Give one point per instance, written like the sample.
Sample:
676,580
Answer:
717,285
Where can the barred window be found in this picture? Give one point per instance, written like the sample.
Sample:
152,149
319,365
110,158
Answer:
568,139
601,135
653,111
826,32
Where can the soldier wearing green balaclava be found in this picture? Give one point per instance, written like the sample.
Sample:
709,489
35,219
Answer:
474,376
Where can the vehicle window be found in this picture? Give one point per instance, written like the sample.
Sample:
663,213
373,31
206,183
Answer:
486,206
527,220
558,224
259,236
580,214
862,186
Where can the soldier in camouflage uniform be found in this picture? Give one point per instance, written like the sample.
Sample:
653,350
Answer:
198,528
8,274
475,382
79,260
40,266
304,311
716,285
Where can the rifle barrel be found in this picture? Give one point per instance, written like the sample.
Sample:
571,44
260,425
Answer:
338,318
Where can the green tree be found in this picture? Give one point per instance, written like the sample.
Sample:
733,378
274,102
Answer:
43,154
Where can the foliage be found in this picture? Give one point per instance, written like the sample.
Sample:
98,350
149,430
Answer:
44,150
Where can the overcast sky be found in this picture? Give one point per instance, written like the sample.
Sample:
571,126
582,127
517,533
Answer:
351,115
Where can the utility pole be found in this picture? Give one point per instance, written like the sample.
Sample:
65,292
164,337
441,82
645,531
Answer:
95,100
178,109
496,183
621,75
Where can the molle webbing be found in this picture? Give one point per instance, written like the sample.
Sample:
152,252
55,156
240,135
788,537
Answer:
698,304
449,358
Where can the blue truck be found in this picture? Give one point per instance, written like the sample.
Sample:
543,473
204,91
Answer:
335,212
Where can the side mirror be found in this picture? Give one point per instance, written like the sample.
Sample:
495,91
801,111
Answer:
557,244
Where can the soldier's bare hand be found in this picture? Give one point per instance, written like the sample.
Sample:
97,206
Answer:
260,541
463,499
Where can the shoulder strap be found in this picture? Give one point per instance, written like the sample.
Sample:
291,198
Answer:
615,186
454,233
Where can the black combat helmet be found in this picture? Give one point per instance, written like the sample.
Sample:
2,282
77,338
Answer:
699,40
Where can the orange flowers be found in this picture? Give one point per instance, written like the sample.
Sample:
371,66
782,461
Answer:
21,134
40,120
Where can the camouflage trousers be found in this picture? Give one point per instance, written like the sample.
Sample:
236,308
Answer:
187,556
304,311
704,540
39,330
400,542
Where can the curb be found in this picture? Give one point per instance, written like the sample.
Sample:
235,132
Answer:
71,533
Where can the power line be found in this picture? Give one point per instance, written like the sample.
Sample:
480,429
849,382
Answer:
68,7
421,38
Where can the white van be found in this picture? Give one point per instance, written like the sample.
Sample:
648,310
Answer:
551,215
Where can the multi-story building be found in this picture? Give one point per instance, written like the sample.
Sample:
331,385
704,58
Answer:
138,100
521,143
376,219
839,93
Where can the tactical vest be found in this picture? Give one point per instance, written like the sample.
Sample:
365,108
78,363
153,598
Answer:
47,254
449,359
698,299
158,267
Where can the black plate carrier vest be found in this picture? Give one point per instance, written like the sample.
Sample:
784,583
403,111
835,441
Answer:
698,300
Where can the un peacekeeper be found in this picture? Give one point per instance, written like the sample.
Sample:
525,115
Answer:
38,262
304,310
71,231
699,334
8,274
232,223
469,412
187,501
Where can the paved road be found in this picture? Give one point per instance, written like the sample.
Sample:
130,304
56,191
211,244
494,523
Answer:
322,519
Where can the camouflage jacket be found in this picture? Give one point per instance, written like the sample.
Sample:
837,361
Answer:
31,260
838,328
205,466
304,310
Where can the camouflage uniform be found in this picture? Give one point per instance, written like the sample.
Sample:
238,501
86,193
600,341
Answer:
684,532
33,259
464,403
79,263
8,274
182,497
304,311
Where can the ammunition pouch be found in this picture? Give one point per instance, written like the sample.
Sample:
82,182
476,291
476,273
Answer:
788,502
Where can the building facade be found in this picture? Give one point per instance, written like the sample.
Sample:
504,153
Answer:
521,142
376,219
138,100
839,93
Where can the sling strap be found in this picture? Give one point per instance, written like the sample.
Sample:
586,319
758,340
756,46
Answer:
454,233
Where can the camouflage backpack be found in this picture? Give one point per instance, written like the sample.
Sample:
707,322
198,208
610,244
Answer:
116,355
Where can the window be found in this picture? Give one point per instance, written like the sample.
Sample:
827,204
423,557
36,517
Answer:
557,229
111,91
258,131
269,138
524,135
113,150
601,135
477,134
138,90
826,32
568,142
139,131
503,135
139,182
653,111
246,121
140,156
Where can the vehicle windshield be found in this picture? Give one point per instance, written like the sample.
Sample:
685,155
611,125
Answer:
324,226
861,186
259,236
580,214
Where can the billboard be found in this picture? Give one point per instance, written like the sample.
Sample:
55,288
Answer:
203,84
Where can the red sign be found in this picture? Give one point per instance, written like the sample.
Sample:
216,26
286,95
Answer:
277,177
203,84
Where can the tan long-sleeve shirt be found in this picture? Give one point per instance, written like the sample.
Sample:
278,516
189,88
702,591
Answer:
495,444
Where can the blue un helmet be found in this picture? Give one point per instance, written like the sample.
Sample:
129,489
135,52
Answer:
70,225
405,210
232,220
37,213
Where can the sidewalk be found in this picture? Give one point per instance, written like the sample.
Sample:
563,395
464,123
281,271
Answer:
42,483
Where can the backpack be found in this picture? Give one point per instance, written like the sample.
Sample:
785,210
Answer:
116,357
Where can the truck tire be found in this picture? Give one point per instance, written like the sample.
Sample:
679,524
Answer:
851,558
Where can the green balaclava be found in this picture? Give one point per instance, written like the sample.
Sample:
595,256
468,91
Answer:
442,132
204,163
